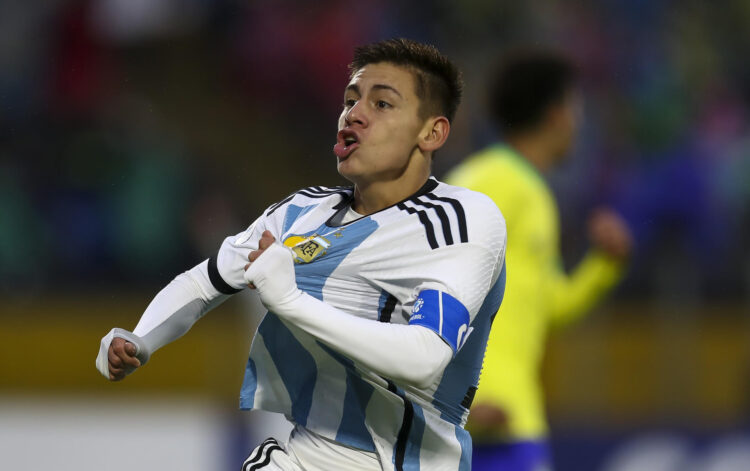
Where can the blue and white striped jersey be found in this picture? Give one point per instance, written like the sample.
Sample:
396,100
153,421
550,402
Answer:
436,259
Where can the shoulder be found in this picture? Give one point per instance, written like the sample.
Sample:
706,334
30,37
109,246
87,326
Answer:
479,212
496,169
312,195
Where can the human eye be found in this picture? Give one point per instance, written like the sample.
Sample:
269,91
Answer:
382,104
349,102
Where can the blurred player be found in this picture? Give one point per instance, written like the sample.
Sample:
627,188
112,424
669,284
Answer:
535,102
380,296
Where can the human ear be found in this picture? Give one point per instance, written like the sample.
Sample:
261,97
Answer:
434,133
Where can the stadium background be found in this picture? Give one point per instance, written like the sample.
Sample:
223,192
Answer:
135,135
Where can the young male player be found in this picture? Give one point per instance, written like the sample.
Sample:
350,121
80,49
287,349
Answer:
536,105
380,296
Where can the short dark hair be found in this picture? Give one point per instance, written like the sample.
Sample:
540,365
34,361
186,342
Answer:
526,83
438,80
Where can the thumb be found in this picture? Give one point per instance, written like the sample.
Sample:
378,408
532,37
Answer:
130,349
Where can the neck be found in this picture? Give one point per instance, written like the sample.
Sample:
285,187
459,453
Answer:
535,148
372,196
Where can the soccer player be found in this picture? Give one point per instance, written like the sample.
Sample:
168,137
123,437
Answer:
380,296
536,104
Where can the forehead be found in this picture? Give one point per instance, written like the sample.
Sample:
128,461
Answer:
384,73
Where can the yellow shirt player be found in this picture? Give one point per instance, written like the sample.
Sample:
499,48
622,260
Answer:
534,101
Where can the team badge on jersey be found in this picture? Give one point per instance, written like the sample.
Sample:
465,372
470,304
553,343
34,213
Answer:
307,249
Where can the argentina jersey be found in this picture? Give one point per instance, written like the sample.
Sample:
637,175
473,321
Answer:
435,260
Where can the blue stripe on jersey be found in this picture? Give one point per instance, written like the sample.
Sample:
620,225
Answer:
293,213
414,445
294,363
249,385
463,371
352,430
464,439
442,313
311,277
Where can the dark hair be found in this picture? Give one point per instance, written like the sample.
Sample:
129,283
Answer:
525,85
438,80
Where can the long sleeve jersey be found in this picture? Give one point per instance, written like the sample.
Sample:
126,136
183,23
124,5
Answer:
431,265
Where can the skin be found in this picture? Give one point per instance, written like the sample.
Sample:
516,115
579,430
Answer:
395,148
391,162
546,145
122,360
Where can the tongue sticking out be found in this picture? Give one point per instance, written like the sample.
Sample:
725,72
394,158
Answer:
342,151
344,147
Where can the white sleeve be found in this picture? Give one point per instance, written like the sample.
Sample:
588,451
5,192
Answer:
169,315
178,306
175,309
406,354
445,288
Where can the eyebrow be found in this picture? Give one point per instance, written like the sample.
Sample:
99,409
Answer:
378,86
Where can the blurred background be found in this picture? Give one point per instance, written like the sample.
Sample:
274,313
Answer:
135,135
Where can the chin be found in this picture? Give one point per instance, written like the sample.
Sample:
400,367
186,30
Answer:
345,171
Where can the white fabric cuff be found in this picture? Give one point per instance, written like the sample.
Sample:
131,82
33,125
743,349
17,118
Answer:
102,359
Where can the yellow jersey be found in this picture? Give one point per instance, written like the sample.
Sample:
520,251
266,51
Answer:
538,292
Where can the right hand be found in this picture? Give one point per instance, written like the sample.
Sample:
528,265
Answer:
121,358
271,272
610,233
266,240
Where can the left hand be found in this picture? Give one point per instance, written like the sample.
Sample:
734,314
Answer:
271,272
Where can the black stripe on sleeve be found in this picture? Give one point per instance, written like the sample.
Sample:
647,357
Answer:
444,221
460,214
428,229
390,305
216,279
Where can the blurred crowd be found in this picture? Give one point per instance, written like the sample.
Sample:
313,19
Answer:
135,135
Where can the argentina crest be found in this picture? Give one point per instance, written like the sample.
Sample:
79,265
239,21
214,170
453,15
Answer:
308,248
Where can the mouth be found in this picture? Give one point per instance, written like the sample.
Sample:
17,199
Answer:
347,142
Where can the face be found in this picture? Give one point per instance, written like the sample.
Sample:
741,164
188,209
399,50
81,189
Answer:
379,126
567,119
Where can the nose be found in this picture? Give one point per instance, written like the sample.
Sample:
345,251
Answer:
356,114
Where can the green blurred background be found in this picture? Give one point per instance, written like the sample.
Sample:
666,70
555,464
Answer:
135,136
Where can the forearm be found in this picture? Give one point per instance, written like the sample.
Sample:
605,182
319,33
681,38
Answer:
407,354
175,309
573,296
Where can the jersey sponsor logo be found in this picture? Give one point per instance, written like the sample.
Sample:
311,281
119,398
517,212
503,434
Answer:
307,249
